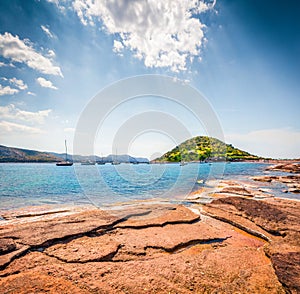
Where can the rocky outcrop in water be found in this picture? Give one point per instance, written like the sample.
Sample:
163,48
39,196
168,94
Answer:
286,167
292,181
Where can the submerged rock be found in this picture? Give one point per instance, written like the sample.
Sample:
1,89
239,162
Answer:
292,181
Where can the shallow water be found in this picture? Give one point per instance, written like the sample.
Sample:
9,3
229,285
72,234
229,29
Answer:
39,184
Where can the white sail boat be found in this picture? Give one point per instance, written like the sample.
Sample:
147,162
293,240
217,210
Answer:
66,162
116,162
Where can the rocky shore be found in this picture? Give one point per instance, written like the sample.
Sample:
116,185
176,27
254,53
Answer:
234,244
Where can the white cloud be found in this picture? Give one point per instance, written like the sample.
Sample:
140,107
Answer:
31,93
162,33
118,46
56,2
13,128
18,83
7,90
3,64
17,50
47,31
275,143
51,53
45,83
11,112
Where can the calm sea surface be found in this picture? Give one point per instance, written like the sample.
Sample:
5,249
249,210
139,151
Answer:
39,184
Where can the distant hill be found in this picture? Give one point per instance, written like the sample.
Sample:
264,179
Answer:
203,148
106,159
11,154
125,158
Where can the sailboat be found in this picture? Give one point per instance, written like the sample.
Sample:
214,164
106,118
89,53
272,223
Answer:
102,162
116,162
66,162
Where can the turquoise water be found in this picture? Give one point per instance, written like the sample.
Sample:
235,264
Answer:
40,184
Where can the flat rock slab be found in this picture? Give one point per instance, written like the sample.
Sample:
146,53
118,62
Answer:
279,220
131,244
40,232
85,249
150,249
179,214
34,282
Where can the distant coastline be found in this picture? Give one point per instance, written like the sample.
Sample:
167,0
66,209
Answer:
20,155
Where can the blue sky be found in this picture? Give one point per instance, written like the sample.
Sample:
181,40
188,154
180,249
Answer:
243,56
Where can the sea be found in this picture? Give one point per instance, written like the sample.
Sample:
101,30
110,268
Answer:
32,184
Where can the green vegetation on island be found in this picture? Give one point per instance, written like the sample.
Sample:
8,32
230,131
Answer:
203,148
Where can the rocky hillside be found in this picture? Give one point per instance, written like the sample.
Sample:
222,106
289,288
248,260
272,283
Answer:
203,148
10,154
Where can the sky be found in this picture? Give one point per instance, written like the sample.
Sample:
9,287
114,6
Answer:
56,56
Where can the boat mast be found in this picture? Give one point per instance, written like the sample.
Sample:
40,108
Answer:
66,150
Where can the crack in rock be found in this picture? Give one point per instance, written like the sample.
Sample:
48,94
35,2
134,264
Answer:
106,258
41,247
186,245
239,226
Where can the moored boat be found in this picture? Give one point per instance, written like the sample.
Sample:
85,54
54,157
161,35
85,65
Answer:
66,162
88,163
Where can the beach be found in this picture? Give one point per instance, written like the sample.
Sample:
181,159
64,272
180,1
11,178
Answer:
236,243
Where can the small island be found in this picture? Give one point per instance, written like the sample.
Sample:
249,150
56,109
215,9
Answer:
204,148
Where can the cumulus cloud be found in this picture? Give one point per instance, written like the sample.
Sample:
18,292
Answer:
275,143
47,31
31,93
118,46
18,83
162,33
17,50
13,128
7,90
11,112
56,2
45,83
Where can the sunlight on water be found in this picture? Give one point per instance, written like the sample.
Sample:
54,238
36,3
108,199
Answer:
38,184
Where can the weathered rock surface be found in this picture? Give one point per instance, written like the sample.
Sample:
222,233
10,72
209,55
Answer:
292,181
286,167
278,220
235,245
38,233
238,188
7,245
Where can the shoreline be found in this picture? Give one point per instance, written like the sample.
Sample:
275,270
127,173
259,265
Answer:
267,161
227,231
237,242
